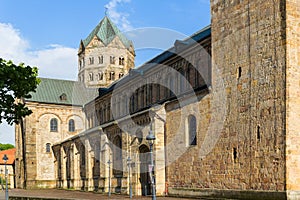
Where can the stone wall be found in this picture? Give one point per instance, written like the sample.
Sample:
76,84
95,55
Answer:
40,163
292,98
248,51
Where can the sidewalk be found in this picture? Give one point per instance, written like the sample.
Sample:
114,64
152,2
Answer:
74,195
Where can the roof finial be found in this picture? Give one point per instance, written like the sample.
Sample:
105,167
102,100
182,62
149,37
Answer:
106,8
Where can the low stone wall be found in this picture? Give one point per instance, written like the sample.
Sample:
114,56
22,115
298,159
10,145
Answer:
227,194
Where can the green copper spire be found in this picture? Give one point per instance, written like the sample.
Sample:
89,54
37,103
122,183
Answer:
106,31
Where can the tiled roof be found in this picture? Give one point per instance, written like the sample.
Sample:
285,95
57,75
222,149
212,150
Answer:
65,92
106,31
11,153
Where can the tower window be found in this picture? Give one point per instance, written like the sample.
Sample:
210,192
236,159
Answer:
53,125
91,76
71,125
100,76
112,60
121,75
112,76
121,61
100,58
91,60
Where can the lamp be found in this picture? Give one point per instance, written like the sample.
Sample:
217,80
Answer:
150,138
5,159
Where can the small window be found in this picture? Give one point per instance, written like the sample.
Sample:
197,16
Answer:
53,125
91,76
100,76
112,60
121,61
239,72
258,136
112,76
234,155
192,130
91,60
100,59
48,148
71,125
121,75
63,97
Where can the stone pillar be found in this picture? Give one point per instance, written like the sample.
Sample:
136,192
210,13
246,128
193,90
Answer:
159,150
88,170
76,177
63,168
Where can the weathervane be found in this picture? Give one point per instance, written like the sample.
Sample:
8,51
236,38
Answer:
106,10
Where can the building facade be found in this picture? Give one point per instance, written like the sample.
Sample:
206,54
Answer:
223,105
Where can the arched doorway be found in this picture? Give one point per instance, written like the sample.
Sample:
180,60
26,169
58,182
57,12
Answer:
144,168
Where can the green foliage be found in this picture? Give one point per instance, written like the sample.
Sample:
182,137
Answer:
16,82
6,146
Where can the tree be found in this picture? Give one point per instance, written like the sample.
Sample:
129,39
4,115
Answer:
6,146
16,83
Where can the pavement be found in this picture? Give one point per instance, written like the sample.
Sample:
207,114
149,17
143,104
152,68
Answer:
72,195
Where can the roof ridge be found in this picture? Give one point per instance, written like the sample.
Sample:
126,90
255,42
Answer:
106,31
56,79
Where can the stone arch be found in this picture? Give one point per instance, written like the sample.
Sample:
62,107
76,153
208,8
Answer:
144,179
117,156
50,113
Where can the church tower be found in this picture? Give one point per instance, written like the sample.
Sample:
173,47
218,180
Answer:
104,56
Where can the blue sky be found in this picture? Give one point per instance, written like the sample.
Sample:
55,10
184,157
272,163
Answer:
46,33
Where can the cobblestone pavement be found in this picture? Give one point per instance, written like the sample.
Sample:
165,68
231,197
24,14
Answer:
74,195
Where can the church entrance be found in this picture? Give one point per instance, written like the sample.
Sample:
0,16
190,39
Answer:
144,170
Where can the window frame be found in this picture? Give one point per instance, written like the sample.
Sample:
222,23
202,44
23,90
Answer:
191,130
71,127
48,147
53,125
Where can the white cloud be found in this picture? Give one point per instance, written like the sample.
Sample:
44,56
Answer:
120,18
54,61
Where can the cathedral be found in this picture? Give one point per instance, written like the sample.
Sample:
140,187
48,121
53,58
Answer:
215,115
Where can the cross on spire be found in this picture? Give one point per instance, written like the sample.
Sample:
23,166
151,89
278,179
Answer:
106,10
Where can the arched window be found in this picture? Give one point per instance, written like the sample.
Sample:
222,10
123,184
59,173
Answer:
48,148
91,76
91,60
117,156
100,58
112,76
121,75
112,60
53,125
71,125
192,130
121,61
100,76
